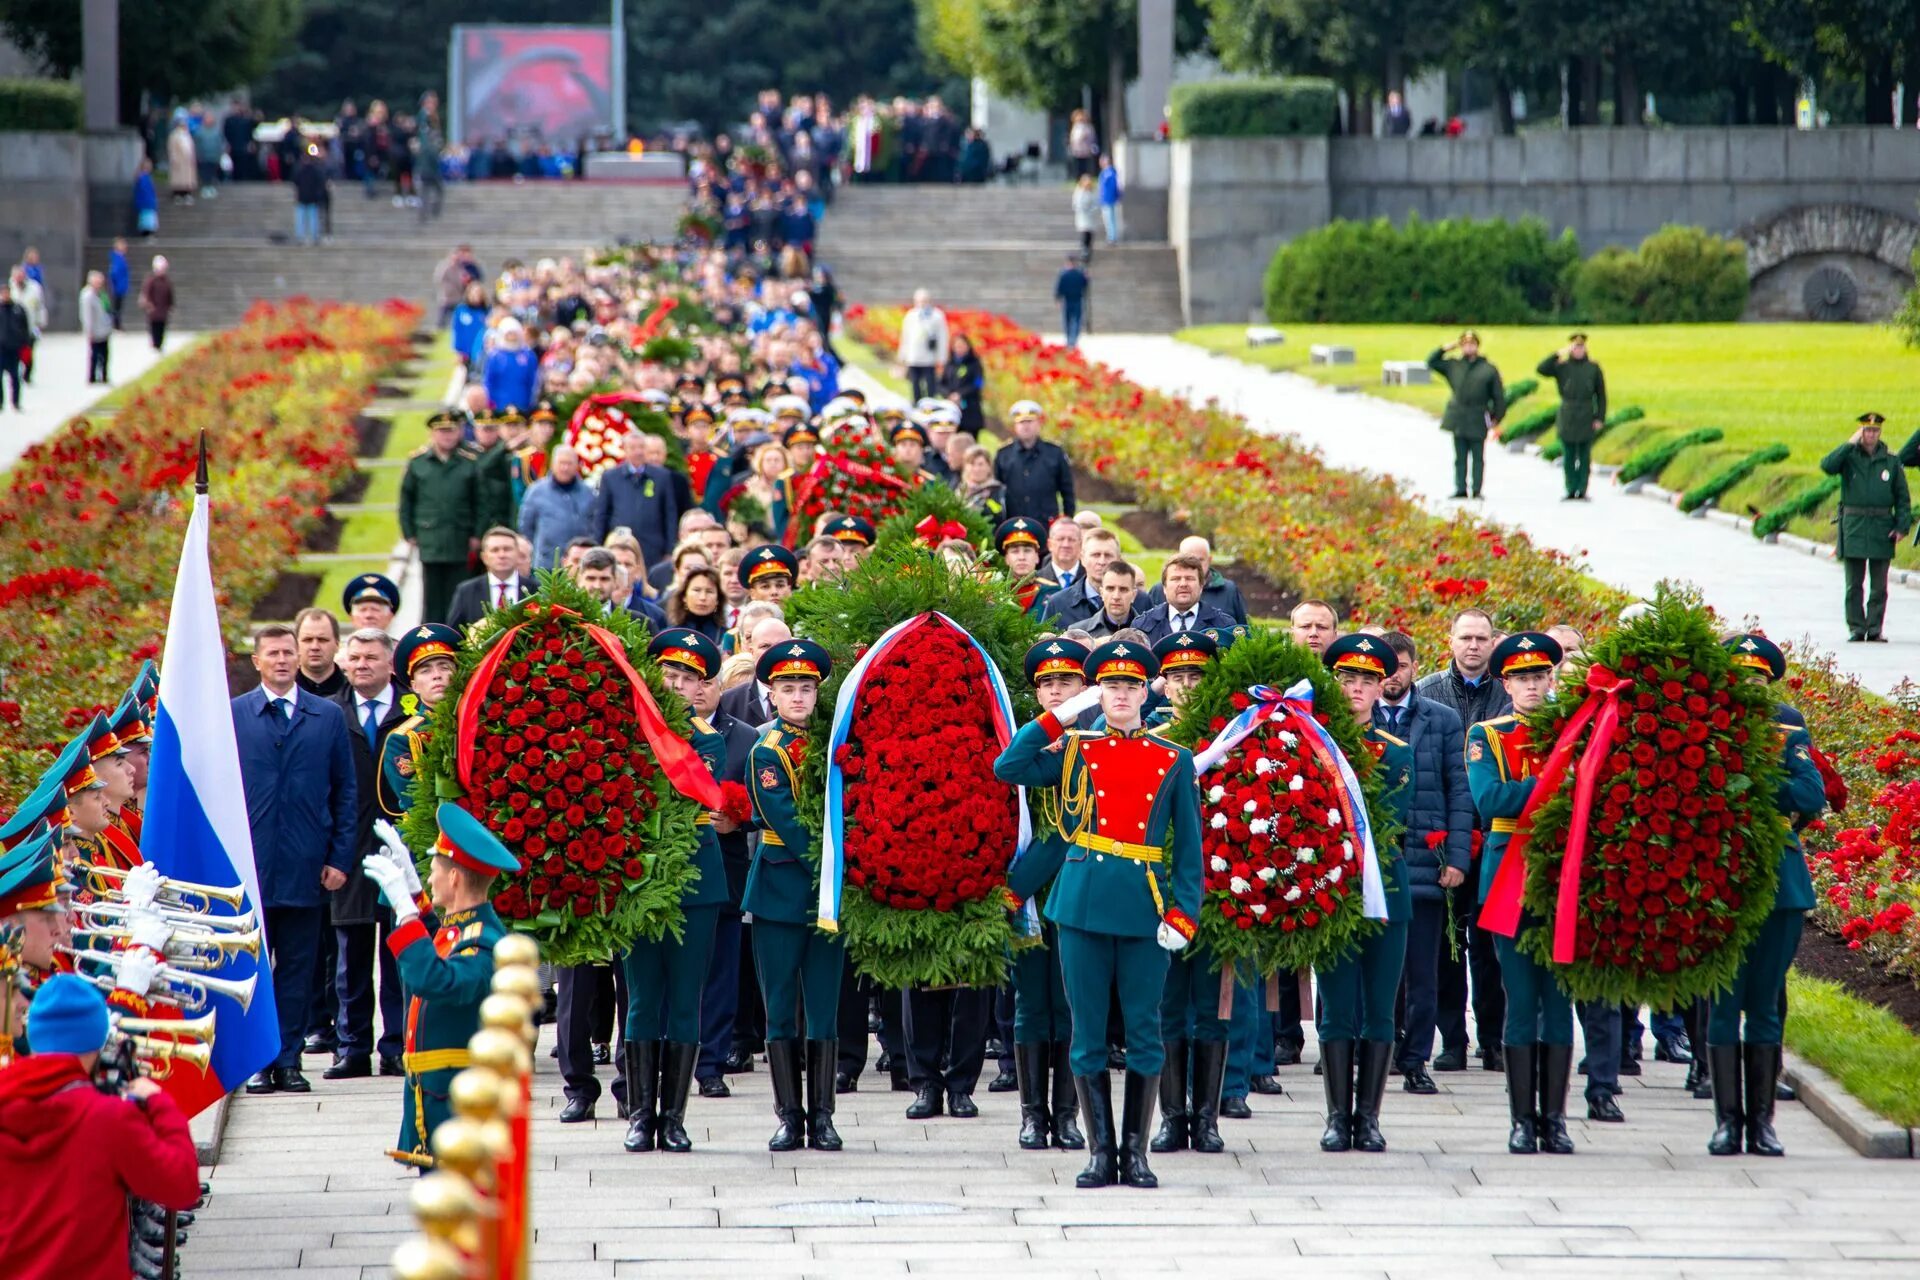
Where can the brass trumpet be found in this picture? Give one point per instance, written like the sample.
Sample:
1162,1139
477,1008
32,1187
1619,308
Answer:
182,919
183,892
160,1055
199,1030
194,950
190,990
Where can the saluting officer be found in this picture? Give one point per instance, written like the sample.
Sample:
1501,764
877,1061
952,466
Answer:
1875,512
439,506
1126,893
1502,764
799,965
1357,991
424,659
1477,404
1583,408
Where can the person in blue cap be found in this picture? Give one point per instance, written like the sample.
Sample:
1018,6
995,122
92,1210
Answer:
1357,991
448,970
371,600
1746,1069
799,966
665,978
1126,881
424,659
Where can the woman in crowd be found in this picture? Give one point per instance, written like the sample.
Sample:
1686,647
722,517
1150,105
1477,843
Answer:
698,603
964,381
1086,213
766,485
512,370
978,488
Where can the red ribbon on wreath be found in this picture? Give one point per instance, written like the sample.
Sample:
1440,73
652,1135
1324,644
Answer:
801,491
651,325
1601,710
932,532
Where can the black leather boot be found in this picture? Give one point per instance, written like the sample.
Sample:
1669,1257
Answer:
1522,1109
822,1055
1136,1118
1761,1064
1066,1132
1556,1073
1173,1100
1032,1066
1336,1078
1375,1057
676,1079
643,1079
1209,1069
1723,1061
1096,1105
783,1064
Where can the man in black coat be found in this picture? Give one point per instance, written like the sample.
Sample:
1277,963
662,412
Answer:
1036,472
1080,600
639,497
499,586
1220,591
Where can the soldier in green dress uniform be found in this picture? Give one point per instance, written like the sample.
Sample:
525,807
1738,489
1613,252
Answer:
1759,988
493,469
666,977
799,965
1875,512
1583,407
424,659
1125,888
1478,403
1019,542
1357,991
1502,763
447,969
439,506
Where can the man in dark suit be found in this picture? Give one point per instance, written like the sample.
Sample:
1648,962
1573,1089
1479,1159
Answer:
296,766
1079,600
639,497
372,705
499,586
721,1007
1182,608
1220,592
748,701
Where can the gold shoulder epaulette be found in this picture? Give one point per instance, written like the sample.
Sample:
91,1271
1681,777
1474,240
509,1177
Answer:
1389,739
702,726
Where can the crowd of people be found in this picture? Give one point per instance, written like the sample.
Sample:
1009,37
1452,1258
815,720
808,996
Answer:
29,305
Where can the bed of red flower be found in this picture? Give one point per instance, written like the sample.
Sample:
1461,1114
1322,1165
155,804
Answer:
91,522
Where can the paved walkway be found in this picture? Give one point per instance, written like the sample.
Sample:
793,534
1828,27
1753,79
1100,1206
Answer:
1631,542
60,388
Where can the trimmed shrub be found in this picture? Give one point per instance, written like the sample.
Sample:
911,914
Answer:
1632,413
1289,106
1907,321
1518,429
1732,474
1454,271
1678,275
1650,460
1520,391
51,106
1804,503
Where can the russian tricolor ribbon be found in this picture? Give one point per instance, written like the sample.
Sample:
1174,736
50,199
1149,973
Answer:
1294,710
833,841
1501,912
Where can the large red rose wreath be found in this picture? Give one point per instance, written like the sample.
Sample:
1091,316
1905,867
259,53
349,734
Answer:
853,473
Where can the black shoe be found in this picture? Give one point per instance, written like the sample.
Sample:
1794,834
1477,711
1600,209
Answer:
1336,1081
264,1081
1368,1093
677,1059
1522,1103
874,1023
715,1087
1269,1086
1874,638
1005,1082
555,1051
1760,1063
784,1064
1493,1058
289,1080
602,1055
1451,1060
1417,1080
1232,1108
996,1048
1556,1073
1602,1107
1116,1058
738,1063
1674,1048
1136,1118
1032,1064
1286,1054
321,1044
821,1135
961,1106
1784,1092
1458,493
898,1080
1855,638
844,1083
1095,1094
1173,1134
642,1101
391,1065
926,1103
577,1110
355,1067
1729,1125
884,1062
1066,1128
1203,1123
1630,1067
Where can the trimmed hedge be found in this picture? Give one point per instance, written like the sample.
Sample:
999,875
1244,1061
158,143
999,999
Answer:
51,106
1454,271
1632,413
1804,503
1651,459
1678,275
1520,391
1732,474
1530,426
1289,106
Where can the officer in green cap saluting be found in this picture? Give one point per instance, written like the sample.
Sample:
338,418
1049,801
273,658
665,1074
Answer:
447,970
1875,512
1478,403
1583,407
439,512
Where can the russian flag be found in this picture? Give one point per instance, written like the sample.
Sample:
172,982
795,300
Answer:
196,817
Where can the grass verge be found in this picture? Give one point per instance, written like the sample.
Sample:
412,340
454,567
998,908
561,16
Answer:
1869,1051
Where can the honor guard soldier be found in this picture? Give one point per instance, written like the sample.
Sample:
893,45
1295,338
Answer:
1502,763
107,844
801,440
768,572
1476,406
371,600
665,977
1759,989
424,659
130,726
1019,542
447,970
1126,893
1357,992
799,965
854,533
909,441
439,512
1875,513
31,904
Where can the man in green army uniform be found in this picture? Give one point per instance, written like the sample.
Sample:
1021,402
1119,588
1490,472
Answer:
493,469
1478,403
1875,512
1759,989
447,970
424,659
1127,888
665,978
1357,991
1502,764
439,512
1583,407
799,965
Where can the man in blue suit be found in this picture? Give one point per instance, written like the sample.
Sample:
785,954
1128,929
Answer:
1182,607
296,765
639,497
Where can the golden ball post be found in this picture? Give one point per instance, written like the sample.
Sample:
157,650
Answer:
425,1258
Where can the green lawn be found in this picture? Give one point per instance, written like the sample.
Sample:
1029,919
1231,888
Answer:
1865,1048
1795,384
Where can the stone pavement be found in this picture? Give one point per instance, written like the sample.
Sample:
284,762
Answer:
1631,542
302,1191
60,388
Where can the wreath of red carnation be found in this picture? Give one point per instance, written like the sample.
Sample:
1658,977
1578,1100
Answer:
853,473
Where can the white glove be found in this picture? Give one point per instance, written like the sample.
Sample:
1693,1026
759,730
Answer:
137,971
397,850
147,929
1071,710
1170,938
141,886
393,886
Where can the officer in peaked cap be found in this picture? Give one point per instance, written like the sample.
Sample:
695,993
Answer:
768,572
371,600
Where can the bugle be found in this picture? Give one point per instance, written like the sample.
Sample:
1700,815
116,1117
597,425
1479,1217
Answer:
160,1055
183,892
189,949
182,919
198,1030
188,989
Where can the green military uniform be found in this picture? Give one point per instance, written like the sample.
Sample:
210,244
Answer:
1583,402
493,486
1875,510
1478,398
400,754
440,514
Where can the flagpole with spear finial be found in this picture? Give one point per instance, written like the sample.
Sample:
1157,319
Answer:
200,472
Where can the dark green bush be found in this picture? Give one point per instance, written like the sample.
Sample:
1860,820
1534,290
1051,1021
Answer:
1514,430
42,105
1455,271
1632,413
1678,275
1291,106
1650,460
1730,475
1804,503
1518,391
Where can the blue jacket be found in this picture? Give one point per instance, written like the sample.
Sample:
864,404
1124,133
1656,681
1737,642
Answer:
119,278
1110,186
1156,624
302,802
1440,799
552,515
511,377
641,499
468,322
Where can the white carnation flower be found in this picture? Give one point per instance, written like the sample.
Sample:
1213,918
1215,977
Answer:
1216,794
1262,767
1238,886
1219,863
1333,817
1268,874
1346,849
1258,908
1293,894
1249,806
1219,821
1303,855
1259,826
1288,739
1333,876
1296,783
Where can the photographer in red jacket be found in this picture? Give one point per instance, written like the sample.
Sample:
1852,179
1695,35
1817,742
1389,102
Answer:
70,1155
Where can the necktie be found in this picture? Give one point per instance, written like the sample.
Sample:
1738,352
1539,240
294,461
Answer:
1182,621
1066,578
284,707
500,590
372,723
1393,719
